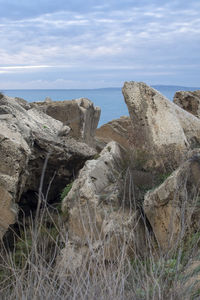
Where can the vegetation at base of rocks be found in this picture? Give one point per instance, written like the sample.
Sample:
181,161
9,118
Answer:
32,271
66,190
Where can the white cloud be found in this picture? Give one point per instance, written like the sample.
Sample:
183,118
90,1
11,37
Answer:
124,39
13,68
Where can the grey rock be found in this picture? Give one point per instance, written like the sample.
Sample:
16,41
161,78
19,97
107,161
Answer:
27,139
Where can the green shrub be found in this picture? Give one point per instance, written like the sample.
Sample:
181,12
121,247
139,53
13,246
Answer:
66,191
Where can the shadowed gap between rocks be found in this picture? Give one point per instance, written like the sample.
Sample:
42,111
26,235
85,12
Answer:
56,178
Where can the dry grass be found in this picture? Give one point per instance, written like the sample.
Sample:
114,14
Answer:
31,271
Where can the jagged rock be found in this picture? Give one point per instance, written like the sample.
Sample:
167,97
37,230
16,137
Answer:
80,115
190,101
99,216
119,130
27,138
173,208
163,132
23,103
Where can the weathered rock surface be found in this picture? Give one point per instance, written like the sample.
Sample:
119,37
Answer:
173,208
119,130
23,103
80,115
99,216
163,132
27,137
190,101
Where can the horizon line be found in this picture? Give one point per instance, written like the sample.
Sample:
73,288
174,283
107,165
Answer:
100,88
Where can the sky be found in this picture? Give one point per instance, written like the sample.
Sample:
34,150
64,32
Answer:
92,44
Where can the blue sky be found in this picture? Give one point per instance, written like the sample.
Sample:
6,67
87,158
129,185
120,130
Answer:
92,44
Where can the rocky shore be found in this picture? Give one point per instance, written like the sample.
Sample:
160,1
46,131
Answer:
133,178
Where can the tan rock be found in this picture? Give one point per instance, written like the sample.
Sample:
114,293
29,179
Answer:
162,131
173,208
119,130
99,217
189,101
8,211
80,115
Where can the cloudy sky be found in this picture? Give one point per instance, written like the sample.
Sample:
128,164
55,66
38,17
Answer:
91,44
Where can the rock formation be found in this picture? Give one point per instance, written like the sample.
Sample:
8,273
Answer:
119,130
163,132
100,218
173,208
80,115
190,101
120,199
27,138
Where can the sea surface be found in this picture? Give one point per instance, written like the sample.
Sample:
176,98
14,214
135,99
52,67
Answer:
110,100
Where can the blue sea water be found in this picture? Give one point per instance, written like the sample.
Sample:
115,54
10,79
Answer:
110,100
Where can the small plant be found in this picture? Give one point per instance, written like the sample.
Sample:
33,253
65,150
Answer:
96,156
162,177
44,126
66,191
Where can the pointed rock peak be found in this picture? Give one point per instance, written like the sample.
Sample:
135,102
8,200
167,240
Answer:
163,132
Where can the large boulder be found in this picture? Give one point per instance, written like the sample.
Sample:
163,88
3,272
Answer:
163,132
101,219
190,101
119,130
79,114
173,208
28,138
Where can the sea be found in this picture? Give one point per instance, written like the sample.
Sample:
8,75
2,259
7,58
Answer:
110,100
